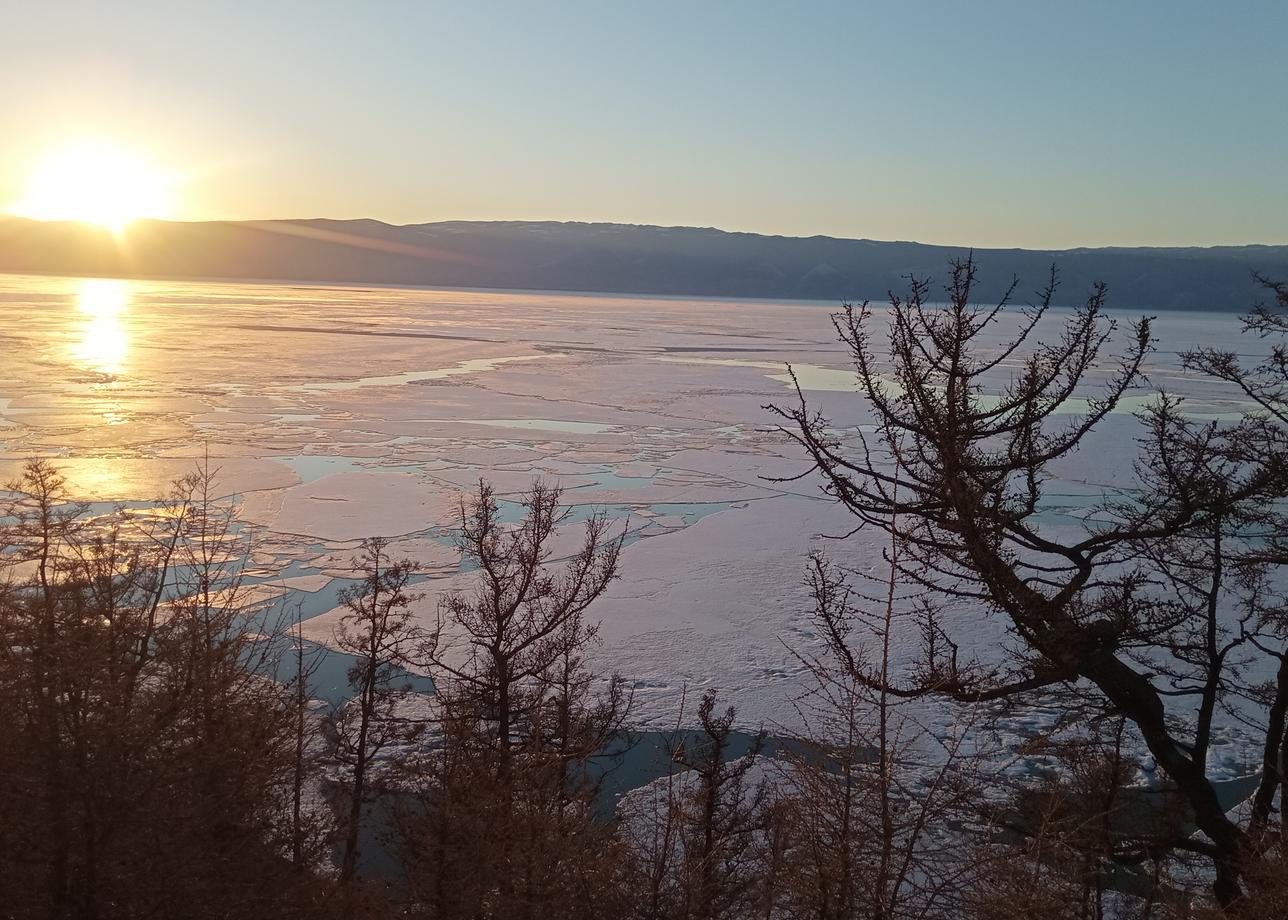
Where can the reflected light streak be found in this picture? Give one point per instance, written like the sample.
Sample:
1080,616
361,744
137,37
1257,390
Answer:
104,340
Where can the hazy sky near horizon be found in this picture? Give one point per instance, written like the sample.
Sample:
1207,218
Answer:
1028,124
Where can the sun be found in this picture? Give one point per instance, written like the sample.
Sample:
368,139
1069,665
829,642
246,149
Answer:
98,182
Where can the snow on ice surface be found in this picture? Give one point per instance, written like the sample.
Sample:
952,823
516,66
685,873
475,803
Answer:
334,414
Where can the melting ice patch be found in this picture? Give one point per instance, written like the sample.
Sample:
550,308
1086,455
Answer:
529,424
810,376
472,366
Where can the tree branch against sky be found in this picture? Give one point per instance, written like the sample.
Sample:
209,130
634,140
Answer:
1162,605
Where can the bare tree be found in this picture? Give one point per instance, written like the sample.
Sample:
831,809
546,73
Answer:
699,847
721,814
145,756
1071,843
44,521
501,644
506,804
1086,609
872,797
309,831
651,824
378,630
1264,623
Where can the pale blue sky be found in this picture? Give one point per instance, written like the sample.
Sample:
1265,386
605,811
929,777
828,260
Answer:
987,123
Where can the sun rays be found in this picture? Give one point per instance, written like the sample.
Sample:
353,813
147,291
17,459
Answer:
99,182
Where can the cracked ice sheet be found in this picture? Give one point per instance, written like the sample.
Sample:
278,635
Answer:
567,541
264,373
350,506
683,619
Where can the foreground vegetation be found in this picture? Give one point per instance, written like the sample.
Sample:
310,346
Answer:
164,755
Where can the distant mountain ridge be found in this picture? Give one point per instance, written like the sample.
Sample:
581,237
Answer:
624,258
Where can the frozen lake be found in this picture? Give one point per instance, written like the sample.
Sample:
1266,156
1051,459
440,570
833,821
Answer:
336,414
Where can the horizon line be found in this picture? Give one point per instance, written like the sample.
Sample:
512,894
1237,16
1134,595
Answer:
8,215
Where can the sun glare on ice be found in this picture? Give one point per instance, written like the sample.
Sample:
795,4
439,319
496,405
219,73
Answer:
104,340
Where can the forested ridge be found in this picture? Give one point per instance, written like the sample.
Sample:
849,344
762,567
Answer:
624,258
